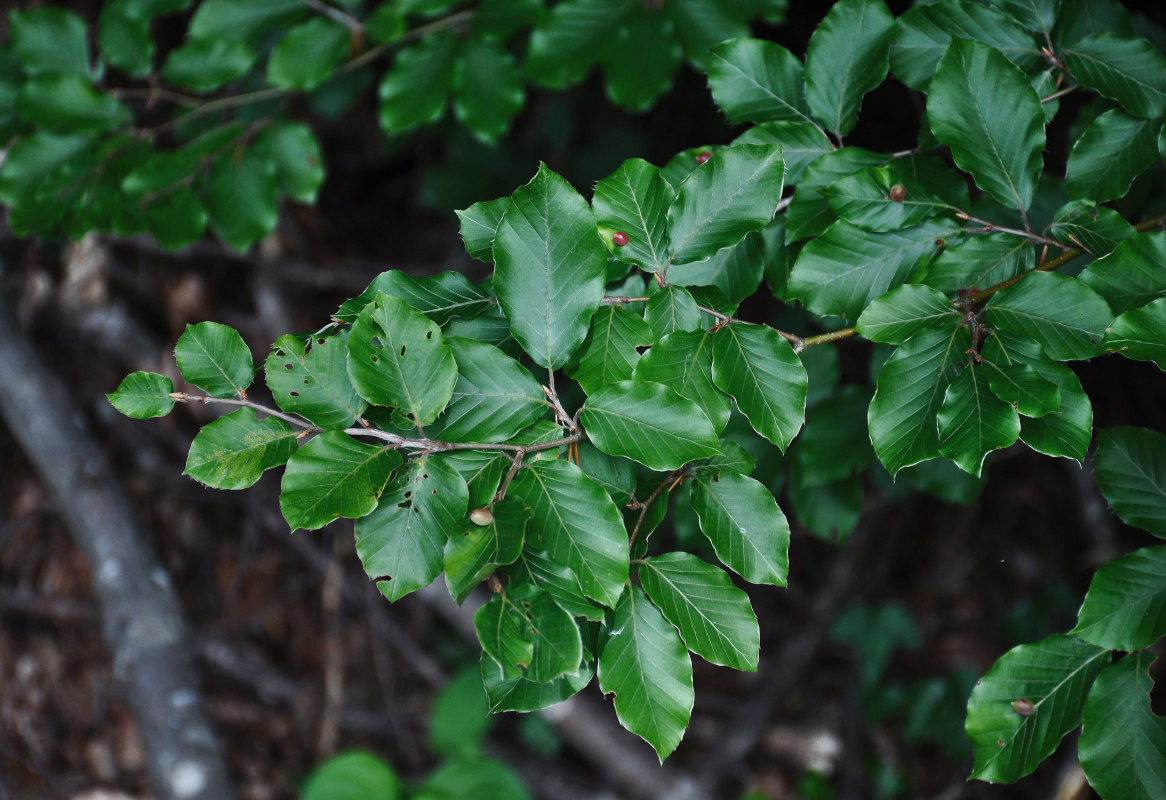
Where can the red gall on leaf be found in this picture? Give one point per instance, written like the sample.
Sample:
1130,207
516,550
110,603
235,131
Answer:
619,238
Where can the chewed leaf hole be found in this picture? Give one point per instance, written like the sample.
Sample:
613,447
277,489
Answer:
375,359
376,342
402,351
289,366
294,394
321,341
428,334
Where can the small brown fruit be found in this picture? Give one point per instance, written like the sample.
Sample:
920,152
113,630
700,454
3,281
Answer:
898,192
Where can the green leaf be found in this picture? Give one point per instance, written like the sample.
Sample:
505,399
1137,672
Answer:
537,568
523,694
1038,16
1133,274
809,212
488,90
441,297
577,524
670,310
980,262
235,450
748,531
1021,385
235,21
481,543
482,471
307,54
1125,608
1123,740
503,631
125,40
143,395
926,32
334,476
32,159
206,64
353,775
479,223
834,445
69,102
973,421
493,399
413,90
845,59
846,268
215,357
48,40
648,422
617,475
524,616
829,511
910,390
640,59
1095,229
634,199
609,352
1127,69
714,617
758,81
703,23
1138,334
876,633
398,357
868,200
736,271
648,669
176,219
1062,314
295,152
314,383
568,42
385,23
983,107
460,717
764,375
683,361
734,192
903,312
1130,468
402,543
1079,18
476,777
241,198
1053,676
550,268
1112,151
802,143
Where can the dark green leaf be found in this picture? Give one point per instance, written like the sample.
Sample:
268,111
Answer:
215,357
809,212
441,297
802,143
1095,229
398,357
572,38
353,775
646,666
1030,393
748,531
503,631
68,102
206,64
1122,740
703,23
983,107
488,89
764,375
980,262
1066,317
413,90
757,81
143,395
550,267
910,390
241,198
903,312
31,160
1125,608
1112,151
461,715
634,199
876,633
482,471
334,476
307,54
295,152
834,444
671,309
846,268
537,568
1130,468
235,450
1139,334
640,59
577,524
477,777
125,40
881,199
314,383
736,271
385,23
845,59
973,421
176,219
1053,676
402,543
48,39
487,539
714,617
1038,16
609,352
479,223
734,192
684,361
926,31
830,511
493,399
1133,274
648,422
235,21
498,19
523,694
1127,69
1079,18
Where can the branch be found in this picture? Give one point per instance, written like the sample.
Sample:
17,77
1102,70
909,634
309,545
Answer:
142,620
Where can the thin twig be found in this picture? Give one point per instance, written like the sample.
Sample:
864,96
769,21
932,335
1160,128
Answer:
335,14
1024,234
1048,98
667,483
183,397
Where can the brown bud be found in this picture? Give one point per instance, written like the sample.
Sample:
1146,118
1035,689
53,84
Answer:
898,192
